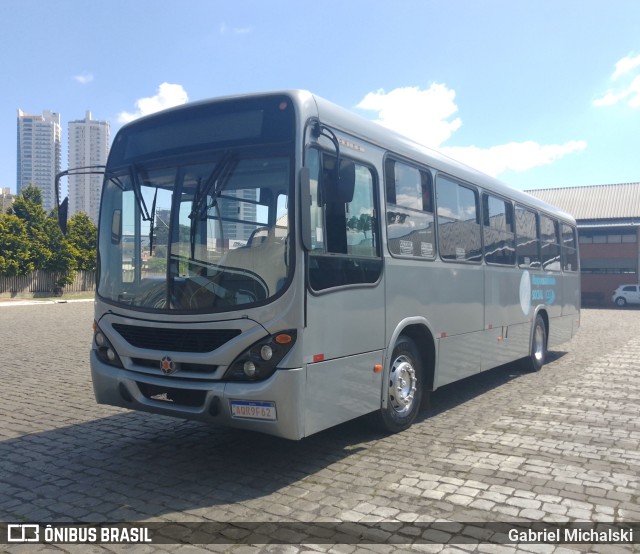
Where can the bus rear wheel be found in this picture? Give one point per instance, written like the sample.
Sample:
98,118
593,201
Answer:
405,384
538,354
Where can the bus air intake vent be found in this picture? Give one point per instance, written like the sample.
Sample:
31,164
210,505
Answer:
175,340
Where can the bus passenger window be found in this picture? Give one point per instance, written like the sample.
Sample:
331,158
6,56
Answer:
569,249
459,236
527,239
549,244
499,238
410,221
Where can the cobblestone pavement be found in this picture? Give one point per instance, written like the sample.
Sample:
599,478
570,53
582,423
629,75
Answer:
555,446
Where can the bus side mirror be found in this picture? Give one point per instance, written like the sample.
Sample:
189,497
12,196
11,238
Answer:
340,191
305,207
116,227
346,181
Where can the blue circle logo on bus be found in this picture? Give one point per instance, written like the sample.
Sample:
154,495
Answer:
525,293
168,366
550,296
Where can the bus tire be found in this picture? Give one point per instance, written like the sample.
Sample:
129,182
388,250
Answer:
538,354
404,394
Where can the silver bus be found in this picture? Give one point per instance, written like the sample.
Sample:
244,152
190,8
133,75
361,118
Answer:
273,262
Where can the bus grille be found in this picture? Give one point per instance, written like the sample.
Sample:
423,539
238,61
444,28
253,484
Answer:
175,340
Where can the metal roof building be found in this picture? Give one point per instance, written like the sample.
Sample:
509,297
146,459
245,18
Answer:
598,204
608,218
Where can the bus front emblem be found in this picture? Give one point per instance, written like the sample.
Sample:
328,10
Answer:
168,366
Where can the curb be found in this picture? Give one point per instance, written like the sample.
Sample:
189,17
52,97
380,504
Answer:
6,303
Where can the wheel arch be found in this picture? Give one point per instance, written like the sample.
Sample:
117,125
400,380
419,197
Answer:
420,332
542,312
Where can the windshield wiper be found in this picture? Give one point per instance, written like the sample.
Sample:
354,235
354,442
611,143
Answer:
144,212
217,180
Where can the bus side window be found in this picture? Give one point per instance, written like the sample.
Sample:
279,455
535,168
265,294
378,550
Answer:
344,225
569,249
549,243
499,238
362,238
410,221
312,161
459,236
527,238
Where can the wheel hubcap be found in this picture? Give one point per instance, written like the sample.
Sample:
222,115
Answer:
402,385
538,346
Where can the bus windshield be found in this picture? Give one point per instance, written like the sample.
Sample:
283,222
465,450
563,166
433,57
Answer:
196,235
194,214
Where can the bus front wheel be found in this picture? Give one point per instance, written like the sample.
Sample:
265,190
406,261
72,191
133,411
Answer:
405,384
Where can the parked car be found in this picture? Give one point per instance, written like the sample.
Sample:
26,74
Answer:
626,294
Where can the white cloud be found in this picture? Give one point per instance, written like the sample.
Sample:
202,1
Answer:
168,95
626,65
426,116
234,30
629,90
610,98
516,156
423,115
84,78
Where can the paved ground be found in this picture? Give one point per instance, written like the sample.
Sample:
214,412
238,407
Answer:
560,445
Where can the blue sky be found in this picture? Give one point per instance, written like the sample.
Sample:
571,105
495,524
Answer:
540,93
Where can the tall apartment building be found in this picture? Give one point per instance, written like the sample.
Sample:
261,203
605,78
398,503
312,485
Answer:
88,146
39,153
243,209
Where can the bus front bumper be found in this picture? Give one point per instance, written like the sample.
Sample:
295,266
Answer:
272,406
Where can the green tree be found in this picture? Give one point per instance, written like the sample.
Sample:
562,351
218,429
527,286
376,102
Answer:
82,236
14,247
32,195
364,224
28,207
48,249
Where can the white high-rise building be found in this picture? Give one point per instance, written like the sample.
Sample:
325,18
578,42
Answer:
39,153
88,146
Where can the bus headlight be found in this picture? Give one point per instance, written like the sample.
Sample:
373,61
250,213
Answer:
260,360
266,352
105,351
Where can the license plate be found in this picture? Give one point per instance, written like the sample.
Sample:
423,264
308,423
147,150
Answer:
253,410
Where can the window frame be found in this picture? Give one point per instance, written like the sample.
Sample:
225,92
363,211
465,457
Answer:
390,162
564,248
543,242
536,215
341,259
476,260
486,195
